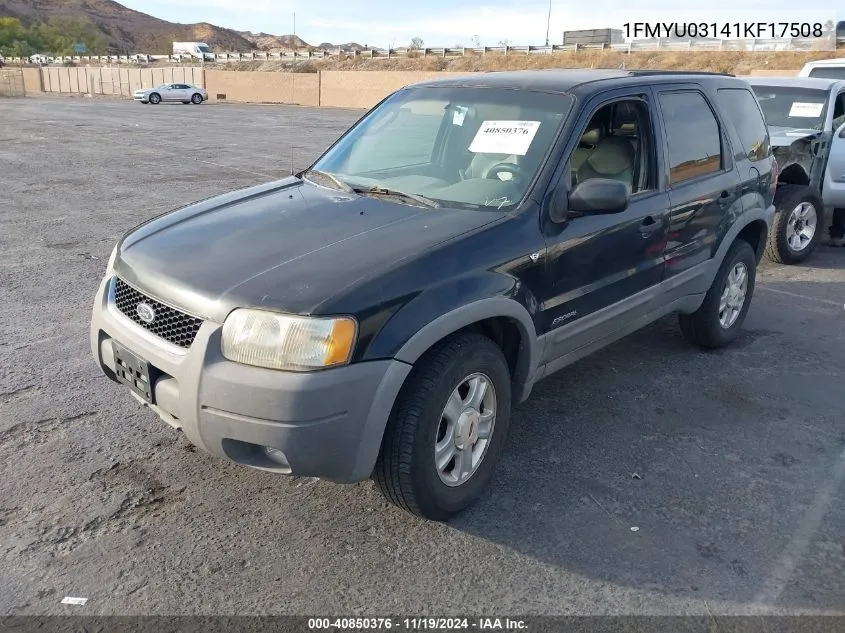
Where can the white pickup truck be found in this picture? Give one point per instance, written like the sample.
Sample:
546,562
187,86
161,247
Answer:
824,68
806,121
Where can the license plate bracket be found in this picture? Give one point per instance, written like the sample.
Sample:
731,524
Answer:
134,372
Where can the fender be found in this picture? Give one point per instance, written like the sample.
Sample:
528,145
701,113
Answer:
473,311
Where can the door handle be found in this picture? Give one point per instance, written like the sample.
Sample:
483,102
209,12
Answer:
649,225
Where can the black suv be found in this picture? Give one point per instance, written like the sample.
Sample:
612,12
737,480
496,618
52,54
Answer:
379,314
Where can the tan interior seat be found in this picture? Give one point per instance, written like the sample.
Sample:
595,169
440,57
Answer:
589,140
613,158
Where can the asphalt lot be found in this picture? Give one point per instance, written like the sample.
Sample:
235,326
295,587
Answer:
741,452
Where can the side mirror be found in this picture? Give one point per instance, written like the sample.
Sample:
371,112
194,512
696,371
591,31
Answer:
599,195
591,197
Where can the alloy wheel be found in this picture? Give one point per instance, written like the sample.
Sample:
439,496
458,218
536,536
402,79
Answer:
465,429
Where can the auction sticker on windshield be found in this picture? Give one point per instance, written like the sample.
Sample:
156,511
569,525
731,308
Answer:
809,110
504,137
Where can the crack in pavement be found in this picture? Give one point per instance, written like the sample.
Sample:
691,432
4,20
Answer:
34,428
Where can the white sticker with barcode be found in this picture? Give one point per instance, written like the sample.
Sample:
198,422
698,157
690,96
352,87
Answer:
807,110
504,137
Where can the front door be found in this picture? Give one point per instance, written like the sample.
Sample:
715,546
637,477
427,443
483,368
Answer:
173,93
605,269
833,187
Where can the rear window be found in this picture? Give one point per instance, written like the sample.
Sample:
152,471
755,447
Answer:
748,121
828,72
790,106
692,134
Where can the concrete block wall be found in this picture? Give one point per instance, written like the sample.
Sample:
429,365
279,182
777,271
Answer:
774,73
364,89
263,87
112,81
341,89
32,80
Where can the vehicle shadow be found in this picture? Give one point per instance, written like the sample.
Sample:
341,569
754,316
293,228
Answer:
657,466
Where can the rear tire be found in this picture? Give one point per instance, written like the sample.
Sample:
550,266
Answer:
719,319
797,225
196,99
436,420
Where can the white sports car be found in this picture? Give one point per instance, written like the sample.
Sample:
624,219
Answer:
185,93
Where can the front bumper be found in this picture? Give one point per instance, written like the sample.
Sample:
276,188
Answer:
326,424
141,98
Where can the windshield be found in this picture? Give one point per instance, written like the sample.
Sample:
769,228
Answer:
204,49
788,106
456,146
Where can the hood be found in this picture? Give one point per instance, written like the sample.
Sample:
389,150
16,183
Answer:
288,246
786,136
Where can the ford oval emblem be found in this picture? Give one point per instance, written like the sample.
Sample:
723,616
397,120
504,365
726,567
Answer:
145,312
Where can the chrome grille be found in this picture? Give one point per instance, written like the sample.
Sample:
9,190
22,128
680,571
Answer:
169,323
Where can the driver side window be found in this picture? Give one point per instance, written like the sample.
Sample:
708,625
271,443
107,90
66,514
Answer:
617,144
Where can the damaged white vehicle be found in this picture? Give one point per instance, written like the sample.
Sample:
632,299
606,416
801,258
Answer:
805,117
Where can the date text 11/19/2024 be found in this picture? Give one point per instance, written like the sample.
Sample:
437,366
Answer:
416,624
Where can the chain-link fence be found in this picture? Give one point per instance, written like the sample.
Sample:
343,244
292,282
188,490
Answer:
11,83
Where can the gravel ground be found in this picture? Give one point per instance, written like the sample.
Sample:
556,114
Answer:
740,453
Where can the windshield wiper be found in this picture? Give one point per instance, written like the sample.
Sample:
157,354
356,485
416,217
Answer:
381,191
339,184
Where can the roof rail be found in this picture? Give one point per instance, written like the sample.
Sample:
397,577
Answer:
645,72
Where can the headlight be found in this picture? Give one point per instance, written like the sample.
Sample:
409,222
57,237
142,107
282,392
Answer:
281,341
112,259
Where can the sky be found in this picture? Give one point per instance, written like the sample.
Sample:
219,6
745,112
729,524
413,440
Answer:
382,23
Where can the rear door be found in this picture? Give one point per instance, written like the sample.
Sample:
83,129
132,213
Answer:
702,181
752,147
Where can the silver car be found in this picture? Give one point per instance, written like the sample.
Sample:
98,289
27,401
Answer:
185,93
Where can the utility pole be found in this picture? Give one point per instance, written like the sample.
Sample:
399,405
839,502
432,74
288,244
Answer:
294,28
548,22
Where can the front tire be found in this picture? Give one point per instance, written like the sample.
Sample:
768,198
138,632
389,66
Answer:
447,429
155,98
797,224
719,319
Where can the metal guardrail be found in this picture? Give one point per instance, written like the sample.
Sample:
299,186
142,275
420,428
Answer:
772,44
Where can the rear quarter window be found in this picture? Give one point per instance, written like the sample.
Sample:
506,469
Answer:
828,72
747,118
